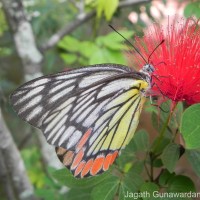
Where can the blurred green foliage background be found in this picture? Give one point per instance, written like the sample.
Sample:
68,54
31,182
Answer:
91,42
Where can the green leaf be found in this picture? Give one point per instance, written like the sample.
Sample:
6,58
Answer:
181,184
141,140
194,158
106,190
113,40
46,194
36,174
83,61
4,25
157,163
87,48
100,7
150,189
127,185
192,9
159,121
115,46
158,148
160,117
4,51
165,177
99,56
65,177
117,38
150,108
170,156
137,167
178,113
126,159
83,194
137,179
68,58
69,43
104,55
115,57
109,8
190,127
131,183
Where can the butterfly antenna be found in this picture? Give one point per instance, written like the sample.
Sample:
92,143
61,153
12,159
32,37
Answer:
155,49
129,43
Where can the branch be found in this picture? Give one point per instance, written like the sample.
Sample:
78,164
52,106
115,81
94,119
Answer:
30,56
5,180
23,36
81,19
54,39
12,167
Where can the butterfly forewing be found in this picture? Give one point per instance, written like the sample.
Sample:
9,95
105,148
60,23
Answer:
89,114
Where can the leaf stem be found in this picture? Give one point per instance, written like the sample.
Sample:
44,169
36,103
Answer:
163,130
151,166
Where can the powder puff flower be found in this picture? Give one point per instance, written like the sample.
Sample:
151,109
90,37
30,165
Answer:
176,61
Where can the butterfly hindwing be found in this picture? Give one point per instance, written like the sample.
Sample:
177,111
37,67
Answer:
89,114
100,145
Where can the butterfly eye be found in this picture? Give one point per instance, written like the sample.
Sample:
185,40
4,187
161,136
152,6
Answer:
148,68
142,90
151,68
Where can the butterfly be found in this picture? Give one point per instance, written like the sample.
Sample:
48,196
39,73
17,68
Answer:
89,114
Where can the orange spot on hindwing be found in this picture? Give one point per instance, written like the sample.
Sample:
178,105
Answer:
107,162
110,158
82,166
87,168
79,168
84,139
97,165
65,156
60,151
114,156
77,159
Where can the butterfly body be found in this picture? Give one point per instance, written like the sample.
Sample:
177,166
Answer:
89,114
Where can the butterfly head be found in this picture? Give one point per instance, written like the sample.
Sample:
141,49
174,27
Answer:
148,68
146,73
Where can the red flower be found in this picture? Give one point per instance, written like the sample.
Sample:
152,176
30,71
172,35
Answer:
176,61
